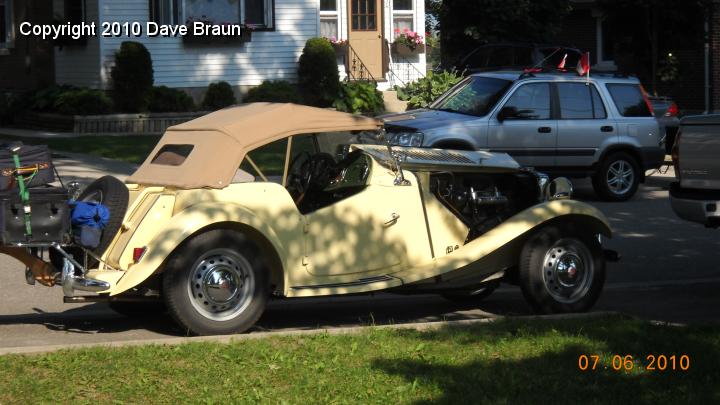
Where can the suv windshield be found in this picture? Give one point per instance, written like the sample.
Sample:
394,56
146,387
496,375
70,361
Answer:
473,96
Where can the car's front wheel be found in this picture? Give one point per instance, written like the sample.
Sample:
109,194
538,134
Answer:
618,177
562,271
216,284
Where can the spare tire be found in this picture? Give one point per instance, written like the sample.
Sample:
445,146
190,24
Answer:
113,194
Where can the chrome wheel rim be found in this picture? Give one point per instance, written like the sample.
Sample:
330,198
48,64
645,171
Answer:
620,177
568,271
221,285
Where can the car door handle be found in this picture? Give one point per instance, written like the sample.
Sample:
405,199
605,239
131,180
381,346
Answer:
393,219
544,130
606,128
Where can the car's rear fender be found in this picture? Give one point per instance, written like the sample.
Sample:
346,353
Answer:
193,220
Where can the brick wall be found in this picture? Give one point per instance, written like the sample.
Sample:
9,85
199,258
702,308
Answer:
29,63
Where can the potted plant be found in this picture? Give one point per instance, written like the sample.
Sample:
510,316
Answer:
408,43
340,45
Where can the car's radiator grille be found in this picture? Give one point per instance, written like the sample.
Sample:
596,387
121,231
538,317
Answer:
413,157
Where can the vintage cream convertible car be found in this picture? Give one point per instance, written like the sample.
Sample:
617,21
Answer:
281,200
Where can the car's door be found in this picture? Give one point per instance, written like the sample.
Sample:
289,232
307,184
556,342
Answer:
529,136
377,231
583,124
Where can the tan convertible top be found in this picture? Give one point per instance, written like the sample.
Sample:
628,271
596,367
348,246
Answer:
218,142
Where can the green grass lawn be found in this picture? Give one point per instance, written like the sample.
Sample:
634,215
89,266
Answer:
507,362
133,149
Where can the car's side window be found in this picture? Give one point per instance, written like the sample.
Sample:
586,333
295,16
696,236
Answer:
531,101
580,101
267,162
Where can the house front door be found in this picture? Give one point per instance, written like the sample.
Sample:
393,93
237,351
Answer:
365,37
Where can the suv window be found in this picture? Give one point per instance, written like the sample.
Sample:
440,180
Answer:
629,100
579,101
532,101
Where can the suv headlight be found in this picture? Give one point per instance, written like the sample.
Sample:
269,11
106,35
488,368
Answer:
408,139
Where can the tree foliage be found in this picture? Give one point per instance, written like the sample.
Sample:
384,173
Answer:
466,24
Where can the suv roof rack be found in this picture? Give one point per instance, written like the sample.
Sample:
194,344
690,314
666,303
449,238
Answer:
530,72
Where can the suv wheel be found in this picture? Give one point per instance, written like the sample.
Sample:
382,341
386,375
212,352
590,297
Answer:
618,177
216,284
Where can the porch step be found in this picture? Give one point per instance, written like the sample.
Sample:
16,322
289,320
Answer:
392,102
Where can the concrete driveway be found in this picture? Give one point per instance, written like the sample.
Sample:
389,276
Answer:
669,271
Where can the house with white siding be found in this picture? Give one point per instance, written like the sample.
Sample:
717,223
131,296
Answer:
275,32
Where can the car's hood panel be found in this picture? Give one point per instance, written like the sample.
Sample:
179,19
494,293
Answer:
428,159
425,119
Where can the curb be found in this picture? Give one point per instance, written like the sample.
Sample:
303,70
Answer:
173,341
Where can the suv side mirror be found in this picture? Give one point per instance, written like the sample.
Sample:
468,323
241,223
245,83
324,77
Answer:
510,113
507,113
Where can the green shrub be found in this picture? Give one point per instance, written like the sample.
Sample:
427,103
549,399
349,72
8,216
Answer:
426,90
273,91
132,77
218,95
360,97
44,100
83,102
318,73
165,99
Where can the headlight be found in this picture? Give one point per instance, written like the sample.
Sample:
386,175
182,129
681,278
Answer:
408,139
558,189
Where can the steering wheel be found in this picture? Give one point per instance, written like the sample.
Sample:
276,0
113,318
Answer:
310,172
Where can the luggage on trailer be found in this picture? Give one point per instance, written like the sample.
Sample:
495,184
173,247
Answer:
36,164
49,219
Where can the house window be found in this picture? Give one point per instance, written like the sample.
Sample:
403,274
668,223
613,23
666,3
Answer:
165,11
364,15
329,19
402,16
252,13
5,24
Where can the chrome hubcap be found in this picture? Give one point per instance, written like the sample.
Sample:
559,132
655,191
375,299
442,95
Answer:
568,271
221,285
620,177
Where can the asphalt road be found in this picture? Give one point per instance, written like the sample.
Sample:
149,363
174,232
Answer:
669,271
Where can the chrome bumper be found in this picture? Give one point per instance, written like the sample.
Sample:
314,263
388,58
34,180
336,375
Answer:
70,281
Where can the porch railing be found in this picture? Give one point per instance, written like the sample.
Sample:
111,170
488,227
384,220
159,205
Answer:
355,68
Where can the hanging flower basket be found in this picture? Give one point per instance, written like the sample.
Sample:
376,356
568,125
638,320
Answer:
404,50
340,48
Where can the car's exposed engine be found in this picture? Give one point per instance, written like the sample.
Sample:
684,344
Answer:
482,201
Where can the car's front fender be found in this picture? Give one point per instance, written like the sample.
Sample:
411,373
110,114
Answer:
185,224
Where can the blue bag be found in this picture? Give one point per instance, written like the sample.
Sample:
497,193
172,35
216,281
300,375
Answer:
88,219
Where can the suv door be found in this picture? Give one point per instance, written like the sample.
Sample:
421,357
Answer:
529,137
583,125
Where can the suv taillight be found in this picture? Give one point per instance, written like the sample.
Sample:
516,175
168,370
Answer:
647,100
672,111
675,154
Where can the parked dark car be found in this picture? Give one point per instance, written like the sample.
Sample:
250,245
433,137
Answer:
668,115
696,195
501,56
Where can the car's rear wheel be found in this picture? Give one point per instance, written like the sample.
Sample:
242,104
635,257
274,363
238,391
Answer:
562,271
618,177
216,284
472,297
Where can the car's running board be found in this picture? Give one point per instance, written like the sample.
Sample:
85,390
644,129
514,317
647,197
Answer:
611,255
361,281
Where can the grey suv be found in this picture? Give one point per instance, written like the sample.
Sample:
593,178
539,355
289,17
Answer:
558,123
